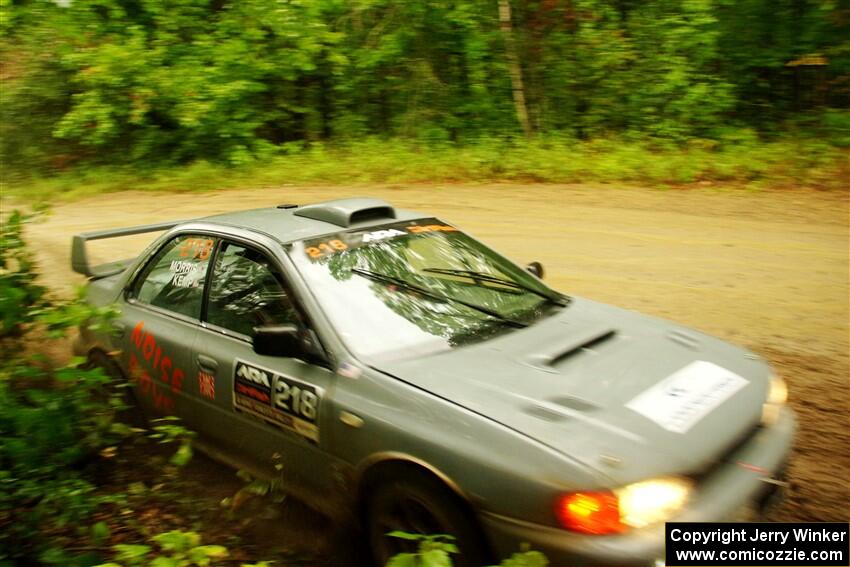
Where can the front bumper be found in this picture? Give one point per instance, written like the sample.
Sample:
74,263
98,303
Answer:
720,496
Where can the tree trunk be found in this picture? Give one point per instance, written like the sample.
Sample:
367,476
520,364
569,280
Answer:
513,66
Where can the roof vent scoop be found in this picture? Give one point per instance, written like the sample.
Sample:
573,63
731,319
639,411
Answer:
346,212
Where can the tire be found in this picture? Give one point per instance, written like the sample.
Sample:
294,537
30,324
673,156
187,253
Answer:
416,503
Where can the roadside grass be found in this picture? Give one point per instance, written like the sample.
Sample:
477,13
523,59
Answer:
743,160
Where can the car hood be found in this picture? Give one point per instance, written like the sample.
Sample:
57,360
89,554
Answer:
572,382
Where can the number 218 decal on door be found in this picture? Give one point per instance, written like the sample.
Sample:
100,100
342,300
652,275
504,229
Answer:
281,400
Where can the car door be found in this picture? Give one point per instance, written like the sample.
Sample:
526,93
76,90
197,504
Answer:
270,412
159,321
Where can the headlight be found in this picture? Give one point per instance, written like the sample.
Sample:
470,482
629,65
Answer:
633,506
652,501
777,395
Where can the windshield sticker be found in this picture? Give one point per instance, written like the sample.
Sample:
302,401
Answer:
278,399
682,399
381,235
198,248
418,229
318,248
328,247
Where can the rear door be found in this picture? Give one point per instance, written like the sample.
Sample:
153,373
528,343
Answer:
271,412
159,322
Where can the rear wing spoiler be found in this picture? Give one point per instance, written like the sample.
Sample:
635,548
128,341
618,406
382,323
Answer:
79,257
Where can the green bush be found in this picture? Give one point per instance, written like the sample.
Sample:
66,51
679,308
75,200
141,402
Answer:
837,125
739,158
437,551
54,421
107,82
170,549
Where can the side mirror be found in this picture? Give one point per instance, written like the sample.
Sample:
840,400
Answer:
535,268
278,340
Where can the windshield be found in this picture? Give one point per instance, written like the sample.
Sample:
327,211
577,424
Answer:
417,287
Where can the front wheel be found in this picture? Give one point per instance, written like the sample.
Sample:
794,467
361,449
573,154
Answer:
420,505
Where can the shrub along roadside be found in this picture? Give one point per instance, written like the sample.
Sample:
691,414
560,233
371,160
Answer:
437,551
59,428
740,159
54,421
99,81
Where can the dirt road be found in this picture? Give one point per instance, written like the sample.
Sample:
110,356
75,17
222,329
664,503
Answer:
767,270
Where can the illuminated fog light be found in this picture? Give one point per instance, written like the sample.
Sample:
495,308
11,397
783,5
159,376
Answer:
777,395
778,392
651,501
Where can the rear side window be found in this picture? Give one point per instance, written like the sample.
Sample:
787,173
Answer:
174,278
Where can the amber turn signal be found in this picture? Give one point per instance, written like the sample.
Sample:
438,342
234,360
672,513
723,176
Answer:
590,512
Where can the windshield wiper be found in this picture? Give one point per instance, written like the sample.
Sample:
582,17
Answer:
391,280
489,278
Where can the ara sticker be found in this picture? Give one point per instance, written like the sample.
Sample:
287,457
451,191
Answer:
382,234
325,246
682,399
281,400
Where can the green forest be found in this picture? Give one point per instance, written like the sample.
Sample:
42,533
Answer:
148,84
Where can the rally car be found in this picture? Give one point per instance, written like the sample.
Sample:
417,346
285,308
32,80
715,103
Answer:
386,366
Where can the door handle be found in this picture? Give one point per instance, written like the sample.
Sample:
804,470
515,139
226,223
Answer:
350,419
207,362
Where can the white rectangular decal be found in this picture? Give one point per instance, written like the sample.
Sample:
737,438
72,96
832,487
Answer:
686,396
282,400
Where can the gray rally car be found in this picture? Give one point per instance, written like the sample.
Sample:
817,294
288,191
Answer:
393,369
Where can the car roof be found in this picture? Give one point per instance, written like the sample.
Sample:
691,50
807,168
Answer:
287,223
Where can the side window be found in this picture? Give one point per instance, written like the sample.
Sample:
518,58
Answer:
247,292
174,278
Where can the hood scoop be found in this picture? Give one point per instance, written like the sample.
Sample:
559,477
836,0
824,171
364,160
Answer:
549,356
